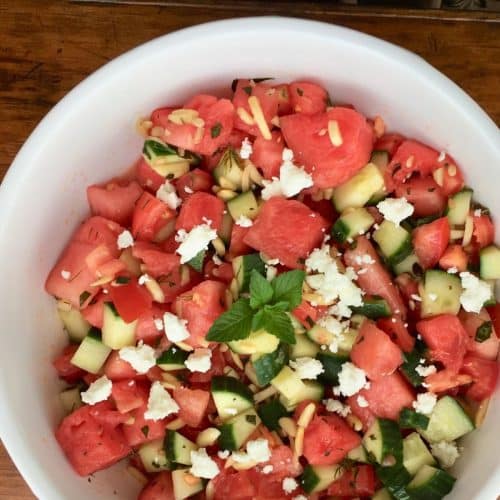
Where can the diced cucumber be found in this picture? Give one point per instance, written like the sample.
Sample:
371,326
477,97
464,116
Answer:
153,456
303,347
226,228
178,448
352,223
235,431
319,477
358,454
358,190
415,453
197,261
383,441
229,168
115,332
243,265
489,268
382,494
312,390
430,483
258,342
394,242
459,207
244,204
347,340
230,396
374,307
409,265
380,158
267,366
288,383
172,359
91,353
75,324
411,419
484,331
155,149
70,399
320,335
448,421
332,365
445,289
411,361
184,488
270,413
395,479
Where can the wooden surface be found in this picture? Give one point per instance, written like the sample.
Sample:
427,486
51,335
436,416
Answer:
47,47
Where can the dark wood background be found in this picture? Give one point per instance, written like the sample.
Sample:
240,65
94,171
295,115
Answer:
47,47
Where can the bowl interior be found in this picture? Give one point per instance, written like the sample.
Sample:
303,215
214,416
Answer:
90,136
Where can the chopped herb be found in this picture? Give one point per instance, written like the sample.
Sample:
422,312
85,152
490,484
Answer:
122,280
484,331
83,297
248,90
215,130
251,419
300,91
145,430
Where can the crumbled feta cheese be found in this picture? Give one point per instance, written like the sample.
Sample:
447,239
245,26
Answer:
160,403
452,270
424,371
299,497
216,259
143,279
223,454
268,260
267,469
335,406
446,453
202,465
199,361
362,402
243,221
271,272
125,240
65,275
475,292
98,391
141,358
271,189
351,379
289,484
336,328
158,324
175,328
192,243
441,157
307,368
478,212
256,451
364,259
166,193
395,209
188,190
425,403
246,149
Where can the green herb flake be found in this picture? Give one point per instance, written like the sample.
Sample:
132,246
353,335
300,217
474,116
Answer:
247,89
483,332
83,297
251,419
216,130
122,280
300,91
145,430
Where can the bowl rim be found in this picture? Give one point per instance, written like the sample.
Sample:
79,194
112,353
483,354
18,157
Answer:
17,446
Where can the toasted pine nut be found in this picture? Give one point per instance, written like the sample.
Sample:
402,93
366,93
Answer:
250,373
481,412
207,437
137,475
452,170
258,116
245,179
289,426
190,479
157,131
255,175
299,442
102,281
468,230
226,194
129,421
219,246
171,380
245,116
307,415
184,346
223,348
334,133
263,395
378,126
354,422
235,288
176,424
237,360
225,183
244,465
456,234
155,290
228,298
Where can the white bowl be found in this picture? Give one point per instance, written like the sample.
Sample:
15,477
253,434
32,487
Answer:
90,136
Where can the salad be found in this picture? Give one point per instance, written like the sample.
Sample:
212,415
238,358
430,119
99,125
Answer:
280,301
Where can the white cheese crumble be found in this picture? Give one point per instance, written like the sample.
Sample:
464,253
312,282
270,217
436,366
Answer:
425,403
452,270
160,403
65,275
292,179
143,279
289,484
141,358
246,149
364,259
424,371
158,324
223,454
202,465
256,451
188,190
271,272
192,243
267,469
362,402
166,193
441,157
307,368
446,453
199,361
98,391
216,259
475,292
336,328
478,212
351,379
125,240
175,327
336,406
395,209
416,297
244,221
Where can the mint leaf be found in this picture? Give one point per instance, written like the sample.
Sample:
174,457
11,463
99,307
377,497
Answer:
288,288
261,291
197,261
234,324
275,321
